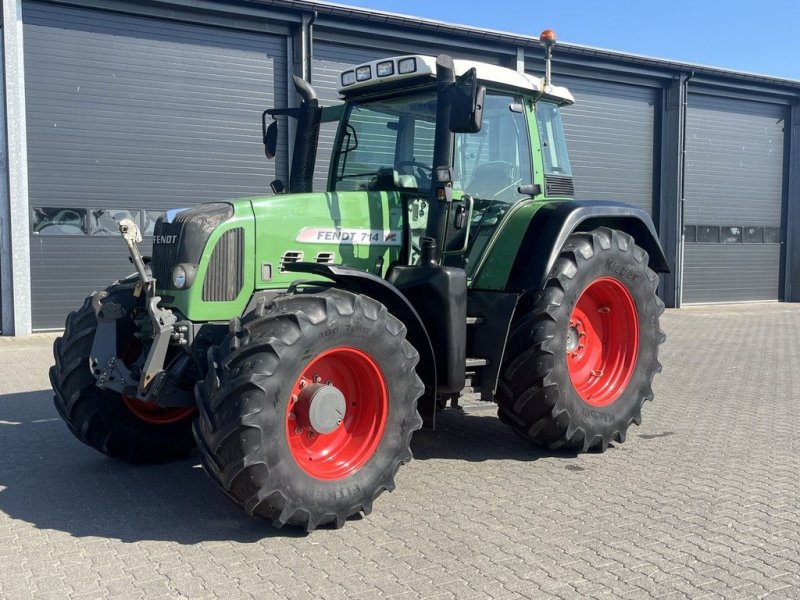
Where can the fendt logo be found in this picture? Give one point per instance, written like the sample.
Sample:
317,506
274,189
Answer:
165,239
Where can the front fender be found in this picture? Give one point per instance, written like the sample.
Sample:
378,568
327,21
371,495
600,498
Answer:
361,282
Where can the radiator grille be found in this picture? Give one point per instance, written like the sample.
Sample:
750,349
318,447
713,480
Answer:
165,255
558,185
225,274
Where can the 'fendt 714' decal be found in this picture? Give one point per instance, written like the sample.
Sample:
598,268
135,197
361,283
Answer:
337,235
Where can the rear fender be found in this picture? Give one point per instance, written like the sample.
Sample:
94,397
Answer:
552,225
361,282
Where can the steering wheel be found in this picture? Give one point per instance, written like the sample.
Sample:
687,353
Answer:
423,171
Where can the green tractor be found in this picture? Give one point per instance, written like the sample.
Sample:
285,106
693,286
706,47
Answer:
298,340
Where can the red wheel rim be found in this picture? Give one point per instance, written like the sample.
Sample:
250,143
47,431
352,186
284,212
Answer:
602,341
149,412
339,453
152,413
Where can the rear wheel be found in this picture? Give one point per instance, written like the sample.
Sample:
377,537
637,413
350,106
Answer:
116,425
309,407
582,352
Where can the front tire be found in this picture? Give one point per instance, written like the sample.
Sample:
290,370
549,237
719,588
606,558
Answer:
582,352
118,426
308,408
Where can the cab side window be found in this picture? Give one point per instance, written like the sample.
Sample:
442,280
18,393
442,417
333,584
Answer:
493,163
551,137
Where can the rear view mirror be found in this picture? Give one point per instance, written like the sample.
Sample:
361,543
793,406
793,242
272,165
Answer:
271,140
466,108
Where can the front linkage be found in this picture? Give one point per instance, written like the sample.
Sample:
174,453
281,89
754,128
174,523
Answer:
159,326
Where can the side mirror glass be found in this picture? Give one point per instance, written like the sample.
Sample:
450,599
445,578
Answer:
271,140
466,108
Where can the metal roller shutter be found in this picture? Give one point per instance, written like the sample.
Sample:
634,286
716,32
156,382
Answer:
134,114
734,196
610,132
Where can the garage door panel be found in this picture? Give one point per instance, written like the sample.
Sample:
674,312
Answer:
610,132
140,114
734,179
730,273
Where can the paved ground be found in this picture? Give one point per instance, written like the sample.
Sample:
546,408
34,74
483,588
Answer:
702,501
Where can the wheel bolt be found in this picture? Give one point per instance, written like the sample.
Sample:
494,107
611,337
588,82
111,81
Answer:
294,397
329,382
302,383
311,434
317,378
292,416
298,430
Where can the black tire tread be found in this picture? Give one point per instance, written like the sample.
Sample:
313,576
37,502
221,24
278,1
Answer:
98,417
229,371
524,404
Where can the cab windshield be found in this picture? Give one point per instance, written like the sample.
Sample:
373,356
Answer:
388,144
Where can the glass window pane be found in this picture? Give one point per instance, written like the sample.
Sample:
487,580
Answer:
59,221
106,221
493,163
551,136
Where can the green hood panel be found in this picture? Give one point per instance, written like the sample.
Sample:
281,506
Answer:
363,230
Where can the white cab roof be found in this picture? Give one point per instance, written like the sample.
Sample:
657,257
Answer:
426,65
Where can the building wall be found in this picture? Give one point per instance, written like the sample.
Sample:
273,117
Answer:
133,109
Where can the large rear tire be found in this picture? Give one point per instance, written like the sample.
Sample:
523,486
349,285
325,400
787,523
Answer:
308,408
582,352
118,426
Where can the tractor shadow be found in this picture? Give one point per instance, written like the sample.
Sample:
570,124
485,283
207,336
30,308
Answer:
475,434
49,479
52,481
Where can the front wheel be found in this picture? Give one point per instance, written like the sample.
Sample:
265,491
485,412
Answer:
114,424
582,352
309,407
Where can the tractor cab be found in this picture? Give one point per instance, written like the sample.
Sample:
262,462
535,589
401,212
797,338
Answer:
512,148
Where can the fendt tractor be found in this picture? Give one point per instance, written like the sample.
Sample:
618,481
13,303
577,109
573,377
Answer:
299,339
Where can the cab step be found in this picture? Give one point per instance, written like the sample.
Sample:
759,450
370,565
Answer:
477,362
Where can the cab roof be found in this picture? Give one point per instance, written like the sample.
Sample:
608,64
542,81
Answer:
366,77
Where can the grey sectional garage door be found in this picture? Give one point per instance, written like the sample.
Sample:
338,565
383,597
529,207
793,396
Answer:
133,114
611,136
734,191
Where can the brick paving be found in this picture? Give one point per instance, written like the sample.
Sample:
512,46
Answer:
702,500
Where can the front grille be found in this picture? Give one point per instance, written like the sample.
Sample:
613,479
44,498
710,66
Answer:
558,185
165,255
225,274
184,238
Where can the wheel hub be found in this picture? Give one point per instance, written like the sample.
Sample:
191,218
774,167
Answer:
320,408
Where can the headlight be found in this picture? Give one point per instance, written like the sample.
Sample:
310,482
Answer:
183,276
179,277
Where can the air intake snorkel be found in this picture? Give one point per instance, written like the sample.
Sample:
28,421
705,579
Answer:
304,154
